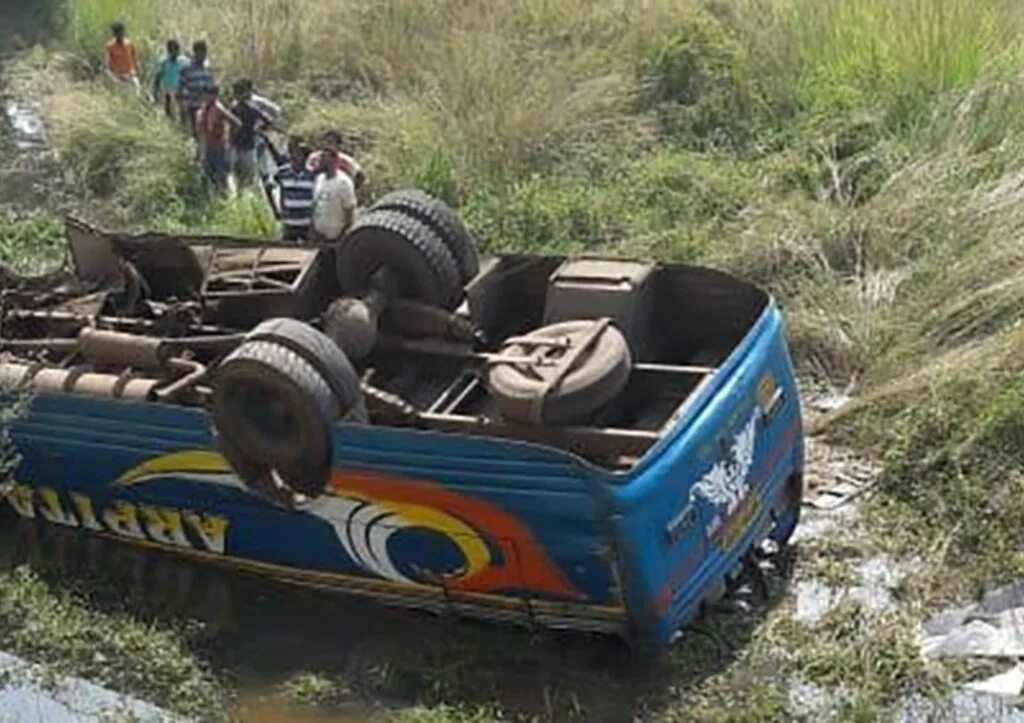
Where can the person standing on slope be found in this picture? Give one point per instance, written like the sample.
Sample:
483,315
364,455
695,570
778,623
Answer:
265,153
195,79
121,62
334,200
244,135
213,121
167,81
296,186
332,141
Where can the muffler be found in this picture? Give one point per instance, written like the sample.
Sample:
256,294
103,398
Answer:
77,381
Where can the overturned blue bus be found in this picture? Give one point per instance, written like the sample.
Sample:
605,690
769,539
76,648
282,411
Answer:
586,444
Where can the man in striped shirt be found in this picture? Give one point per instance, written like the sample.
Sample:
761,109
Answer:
195,79
296,183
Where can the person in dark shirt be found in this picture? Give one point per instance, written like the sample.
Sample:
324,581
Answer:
295,183
251,121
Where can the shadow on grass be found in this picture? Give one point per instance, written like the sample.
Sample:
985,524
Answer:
262,637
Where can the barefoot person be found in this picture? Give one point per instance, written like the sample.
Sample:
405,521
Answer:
122,64
167,81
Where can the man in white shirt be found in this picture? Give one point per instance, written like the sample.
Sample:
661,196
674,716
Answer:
334,200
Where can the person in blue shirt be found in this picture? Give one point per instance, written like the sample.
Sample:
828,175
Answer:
167,81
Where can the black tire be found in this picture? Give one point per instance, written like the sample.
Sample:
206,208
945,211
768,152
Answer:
443,219
317,349
595,379
274,407
420,263
786,510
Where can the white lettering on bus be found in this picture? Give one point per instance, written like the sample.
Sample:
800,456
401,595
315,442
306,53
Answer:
163,525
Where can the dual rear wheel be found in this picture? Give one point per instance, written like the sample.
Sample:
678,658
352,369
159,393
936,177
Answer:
278,396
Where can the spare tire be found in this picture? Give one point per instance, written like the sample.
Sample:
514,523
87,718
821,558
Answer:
276,399
443,219
324,355
421,265
273,406
532,393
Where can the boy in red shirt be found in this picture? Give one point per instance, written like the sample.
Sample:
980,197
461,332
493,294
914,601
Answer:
213,121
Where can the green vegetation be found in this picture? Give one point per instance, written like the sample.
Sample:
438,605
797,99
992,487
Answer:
31,243
60,628
861,158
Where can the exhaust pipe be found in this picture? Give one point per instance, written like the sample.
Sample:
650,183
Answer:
77,381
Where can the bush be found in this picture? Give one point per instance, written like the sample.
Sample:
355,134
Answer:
31,243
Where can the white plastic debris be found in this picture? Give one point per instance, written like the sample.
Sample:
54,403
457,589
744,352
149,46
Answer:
1006,685
814,600
820,524
27,693
877,577
809,701
964,706
992,628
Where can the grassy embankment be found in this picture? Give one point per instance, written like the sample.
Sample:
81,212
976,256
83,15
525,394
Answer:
860,158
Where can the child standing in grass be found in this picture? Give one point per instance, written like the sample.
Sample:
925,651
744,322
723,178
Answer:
122,63
167,81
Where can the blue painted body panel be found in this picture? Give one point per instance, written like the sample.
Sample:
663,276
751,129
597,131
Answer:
486,527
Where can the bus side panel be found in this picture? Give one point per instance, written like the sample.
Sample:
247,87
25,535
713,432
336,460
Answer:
439,518
714,487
